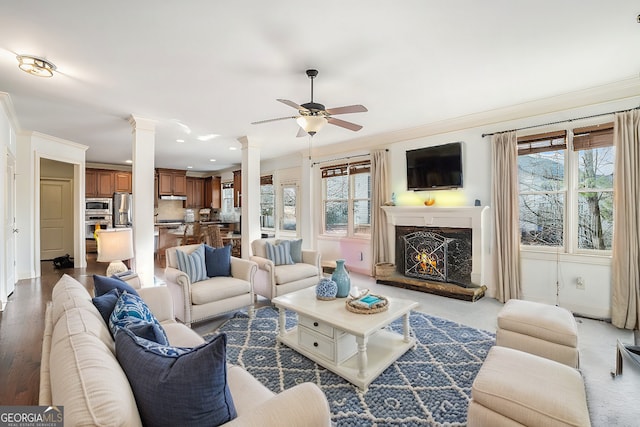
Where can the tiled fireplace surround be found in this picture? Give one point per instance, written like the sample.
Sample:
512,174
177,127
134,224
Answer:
418,218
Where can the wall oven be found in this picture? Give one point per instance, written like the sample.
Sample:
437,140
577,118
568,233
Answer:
98,205
105,221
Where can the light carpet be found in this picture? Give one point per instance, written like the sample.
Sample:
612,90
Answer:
429,385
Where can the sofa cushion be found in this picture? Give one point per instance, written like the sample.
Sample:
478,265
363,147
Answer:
296,250
131,310
192,263
103,284
217,261
291,273
186,388
105,303
218,288
280,254
85,376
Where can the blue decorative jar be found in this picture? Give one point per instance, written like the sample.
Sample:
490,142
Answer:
326,289
341,277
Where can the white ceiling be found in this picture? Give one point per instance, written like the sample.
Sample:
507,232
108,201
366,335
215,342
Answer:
214,67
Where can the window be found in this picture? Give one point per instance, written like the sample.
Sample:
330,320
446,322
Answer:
267,203
566,189
347,199
289,207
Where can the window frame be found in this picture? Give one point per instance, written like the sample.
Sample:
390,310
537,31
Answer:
281,208
571,191
350,170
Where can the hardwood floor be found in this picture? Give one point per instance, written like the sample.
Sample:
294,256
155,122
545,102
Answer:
22,328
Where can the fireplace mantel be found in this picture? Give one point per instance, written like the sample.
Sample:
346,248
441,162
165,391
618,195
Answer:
473,217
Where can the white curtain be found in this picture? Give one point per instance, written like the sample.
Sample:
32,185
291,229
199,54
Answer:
379,195
625,297
504,197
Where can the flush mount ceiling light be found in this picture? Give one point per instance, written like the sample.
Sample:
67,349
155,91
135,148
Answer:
35,66
311,124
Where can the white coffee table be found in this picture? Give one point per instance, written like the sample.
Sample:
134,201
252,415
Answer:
354,346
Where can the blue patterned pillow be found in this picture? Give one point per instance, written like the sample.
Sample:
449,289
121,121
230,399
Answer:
193,264
131,310
188,387
280,254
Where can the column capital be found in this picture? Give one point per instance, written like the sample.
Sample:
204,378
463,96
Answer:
141,123
245,143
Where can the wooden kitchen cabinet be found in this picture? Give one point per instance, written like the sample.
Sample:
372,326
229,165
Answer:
237,189
122,181
195,193
213,192
99,183
172,182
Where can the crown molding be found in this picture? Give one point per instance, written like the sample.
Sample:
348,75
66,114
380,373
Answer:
7,105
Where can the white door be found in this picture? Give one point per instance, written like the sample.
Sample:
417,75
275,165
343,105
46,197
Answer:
56,218
10,227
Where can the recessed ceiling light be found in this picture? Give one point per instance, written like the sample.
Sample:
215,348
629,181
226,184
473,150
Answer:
189,167
232,148
179,140
207,137
35,66
212,160
128,161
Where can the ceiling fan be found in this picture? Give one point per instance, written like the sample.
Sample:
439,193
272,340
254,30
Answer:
313,116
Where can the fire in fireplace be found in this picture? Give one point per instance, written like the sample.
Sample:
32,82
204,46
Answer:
435,254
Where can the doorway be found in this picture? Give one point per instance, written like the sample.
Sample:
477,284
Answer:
56,209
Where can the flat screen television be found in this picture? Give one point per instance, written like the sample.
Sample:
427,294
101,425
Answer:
435,168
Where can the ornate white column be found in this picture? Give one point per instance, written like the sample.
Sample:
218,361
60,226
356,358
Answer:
143,149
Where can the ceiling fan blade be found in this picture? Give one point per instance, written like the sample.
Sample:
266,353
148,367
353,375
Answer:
344,124
292,104
273,120
348,109
301,133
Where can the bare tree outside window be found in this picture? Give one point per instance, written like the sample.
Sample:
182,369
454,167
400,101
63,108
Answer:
289,202
595,198
336,205
267,206
542,198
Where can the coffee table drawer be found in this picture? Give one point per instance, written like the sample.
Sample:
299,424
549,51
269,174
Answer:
316,343
316,325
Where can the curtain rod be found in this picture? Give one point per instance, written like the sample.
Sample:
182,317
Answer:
561,121
343,158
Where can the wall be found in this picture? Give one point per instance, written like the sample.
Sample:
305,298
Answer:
540,271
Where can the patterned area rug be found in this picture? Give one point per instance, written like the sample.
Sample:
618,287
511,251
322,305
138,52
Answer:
428,386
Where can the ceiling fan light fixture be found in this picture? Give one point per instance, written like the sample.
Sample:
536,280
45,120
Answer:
35,66
311,124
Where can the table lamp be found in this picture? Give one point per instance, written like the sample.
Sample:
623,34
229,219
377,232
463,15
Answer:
114,246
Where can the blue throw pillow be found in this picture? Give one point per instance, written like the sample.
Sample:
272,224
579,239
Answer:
296,250
188,388
218,261
103,284
131,310
280,254
192,264
105,303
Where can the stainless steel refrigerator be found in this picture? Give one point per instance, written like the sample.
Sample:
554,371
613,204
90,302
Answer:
122,205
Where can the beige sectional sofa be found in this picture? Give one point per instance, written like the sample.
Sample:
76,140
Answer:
79,369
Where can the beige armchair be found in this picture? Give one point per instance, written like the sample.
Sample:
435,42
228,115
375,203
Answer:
194,302
274,280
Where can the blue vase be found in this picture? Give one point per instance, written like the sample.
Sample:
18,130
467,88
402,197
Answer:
341,277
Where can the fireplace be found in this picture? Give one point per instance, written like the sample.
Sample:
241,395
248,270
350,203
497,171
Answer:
435,253
437,249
